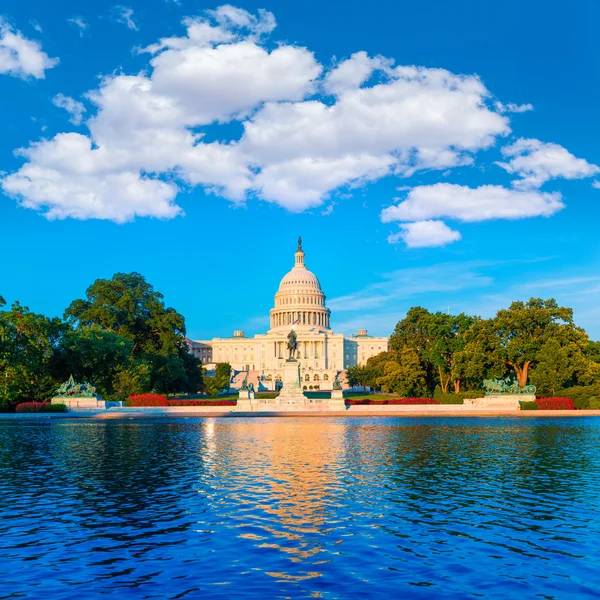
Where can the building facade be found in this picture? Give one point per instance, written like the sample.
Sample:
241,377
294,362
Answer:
300,304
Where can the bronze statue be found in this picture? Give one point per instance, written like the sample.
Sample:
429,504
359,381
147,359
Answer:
70,389
292,344
299,244
337,385
509,385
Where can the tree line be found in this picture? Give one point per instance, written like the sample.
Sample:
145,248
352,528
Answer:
535,341
121,338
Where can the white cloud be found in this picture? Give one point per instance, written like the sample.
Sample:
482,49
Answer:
354,72
21,57
72,106
513,108
462,203
596,184
65,177
306,132
537,162
124,15
425,234
79,23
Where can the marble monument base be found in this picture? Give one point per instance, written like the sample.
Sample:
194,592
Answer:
337,400
84,403
501,402
245,400
291,394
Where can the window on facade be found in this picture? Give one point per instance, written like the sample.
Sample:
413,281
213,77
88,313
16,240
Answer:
316,378
325,377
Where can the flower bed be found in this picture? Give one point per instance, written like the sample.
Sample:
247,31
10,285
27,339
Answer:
555,404
140,400
398,401
202,402
45,407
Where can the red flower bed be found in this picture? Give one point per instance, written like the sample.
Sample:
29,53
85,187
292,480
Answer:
401,401
202,402
555,404
139,400
31,407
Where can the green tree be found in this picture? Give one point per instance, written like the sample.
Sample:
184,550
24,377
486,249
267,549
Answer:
404,376
414,331
92,354
519,333
27,342
476,360
223,375
361,375
554,367
436,338
133,379
212,386
593,351
129,306
446,340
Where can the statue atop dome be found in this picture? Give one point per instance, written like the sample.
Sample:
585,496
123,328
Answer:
300,245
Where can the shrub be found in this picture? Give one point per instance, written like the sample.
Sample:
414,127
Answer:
202,402
30,407
45,407
55,408
266,395
457,398
529,405
397,401
139,400
594,404
583,396
555,404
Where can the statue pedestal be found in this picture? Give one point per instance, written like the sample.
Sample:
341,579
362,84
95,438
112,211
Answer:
291,394
337,400
500,402
244,401
82,403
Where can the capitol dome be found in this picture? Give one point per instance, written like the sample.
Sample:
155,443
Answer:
300,302
299,277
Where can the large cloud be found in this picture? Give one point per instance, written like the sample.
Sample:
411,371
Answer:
21,57
301,131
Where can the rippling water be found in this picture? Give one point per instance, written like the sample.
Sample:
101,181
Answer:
300,507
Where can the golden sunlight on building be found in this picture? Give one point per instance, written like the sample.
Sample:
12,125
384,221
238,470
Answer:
299,305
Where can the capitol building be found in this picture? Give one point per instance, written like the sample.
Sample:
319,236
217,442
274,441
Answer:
299,305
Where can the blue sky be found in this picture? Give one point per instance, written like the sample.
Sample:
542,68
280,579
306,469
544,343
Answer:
432,153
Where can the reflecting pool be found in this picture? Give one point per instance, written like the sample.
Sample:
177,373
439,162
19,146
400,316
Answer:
300,508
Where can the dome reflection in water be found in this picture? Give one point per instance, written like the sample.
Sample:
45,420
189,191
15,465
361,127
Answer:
300,507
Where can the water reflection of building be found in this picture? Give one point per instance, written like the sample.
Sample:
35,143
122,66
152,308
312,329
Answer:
286,474
299,304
